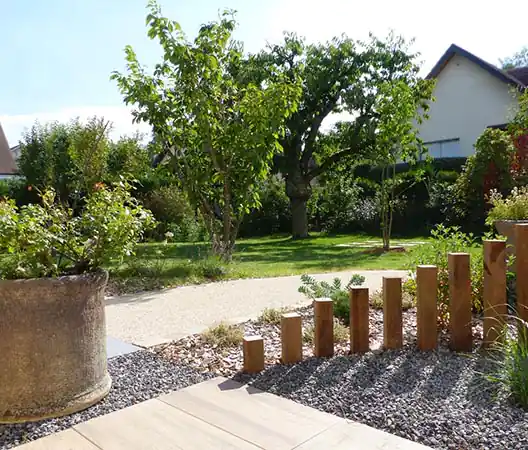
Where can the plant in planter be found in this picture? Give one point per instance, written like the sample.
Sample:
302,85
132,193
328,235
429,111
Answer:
506,212
52,323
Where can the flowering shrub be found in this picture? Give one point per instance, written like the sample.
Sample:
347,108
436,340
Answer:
513,207
47,239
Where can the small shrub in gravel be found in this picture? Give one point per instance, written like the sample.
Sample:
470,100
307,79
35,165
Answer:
224,335
341,333
335,291
510,363
272,316
376,300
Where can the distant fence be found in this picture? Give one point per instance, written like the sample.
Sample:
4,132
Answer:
460,314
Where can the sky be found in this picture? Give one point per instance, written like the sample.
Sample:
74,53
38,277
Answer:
56,56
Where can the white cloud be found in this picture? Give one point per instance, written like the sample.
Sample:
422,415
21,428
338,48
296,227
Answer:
120,116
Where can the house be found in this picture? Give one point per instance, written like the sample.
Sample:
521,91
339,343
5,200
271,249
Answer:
471,95
7,160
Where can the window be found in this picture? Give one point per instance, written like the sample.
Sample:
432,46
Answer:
446,148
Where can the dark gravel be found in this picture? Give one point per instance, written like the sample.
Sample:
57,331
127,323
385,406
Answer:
136,377
439,399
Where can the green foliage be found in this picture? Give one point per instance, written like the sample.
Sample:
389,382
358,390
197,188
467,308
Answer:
272,316
335,291
408,298
221,131
211,268
223,335
494,150
273,216
449,240
47,239
513,207
72,158
174,214
511,363
401,105
518,59
341,333
341,75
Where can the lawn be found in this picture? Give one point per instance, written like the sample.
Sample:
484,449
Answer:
157,265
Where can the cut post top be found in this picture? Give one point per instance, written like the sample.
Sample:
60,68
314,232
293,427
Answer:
494,241
290,315
252,338
426,266
358,288
323,300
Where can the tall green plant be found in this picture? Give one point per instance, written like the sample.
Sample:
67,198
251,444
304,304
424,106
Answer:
401,105
446,240
222,132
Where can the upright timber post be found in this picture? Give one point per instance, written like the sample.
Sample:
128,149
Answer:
521,267
460,302
495,301
324,327
392,313
291,338
359,320
253,348
426,307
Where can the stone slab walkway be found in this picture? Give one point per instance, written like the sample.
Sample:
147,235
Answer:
158,317
220,414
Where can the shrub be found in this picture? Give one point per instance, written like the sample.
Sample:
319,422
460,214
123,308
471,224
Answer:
174,214
341,333
339,295
446,240
272,316
408,300
211,268
513,207
273,216
48,240
511,363
223,335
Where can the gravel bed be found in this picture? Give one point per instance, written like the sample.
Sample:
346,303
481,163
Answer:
440,399
136,377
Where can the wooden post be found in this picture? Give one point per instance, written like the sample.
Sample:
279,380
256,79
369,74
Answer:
392,313
359,320
253,354
291,338
426,300
460,302
324,327
521,266
495,302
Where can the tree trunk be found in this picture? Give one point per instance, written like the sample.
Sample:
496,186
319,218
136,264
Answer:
299,217
299,191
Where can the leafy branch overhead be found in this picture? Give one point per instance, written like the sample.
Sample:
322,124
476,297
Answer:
220,130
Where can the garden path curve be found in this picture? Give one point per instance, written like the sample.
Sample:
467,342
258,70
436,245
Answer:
154,318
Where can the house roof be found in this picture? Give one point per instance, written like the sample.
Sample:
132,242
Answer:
7,162
517,77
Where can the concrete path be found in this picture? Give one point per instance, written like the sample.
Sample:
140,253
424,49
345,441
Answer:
159,317
220,414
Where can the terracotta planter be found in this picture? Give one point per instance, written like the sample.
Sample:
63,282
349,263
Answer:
507,228
52,346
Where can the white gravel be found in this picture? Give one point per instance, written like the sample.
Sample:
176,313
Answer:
136,377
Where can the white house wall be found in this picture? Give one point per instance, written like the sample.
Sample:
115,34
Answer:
468,99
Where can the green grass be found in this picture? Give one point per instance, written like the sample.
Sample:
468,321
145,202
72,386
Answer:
157,265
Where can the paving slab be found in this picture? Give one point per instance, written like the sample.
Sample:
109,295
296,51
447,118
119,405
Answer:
116,347
159,317
220,414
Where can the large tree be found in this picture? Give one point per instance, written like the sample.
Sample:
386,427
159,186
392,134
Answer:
221,131
340,76
519,59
